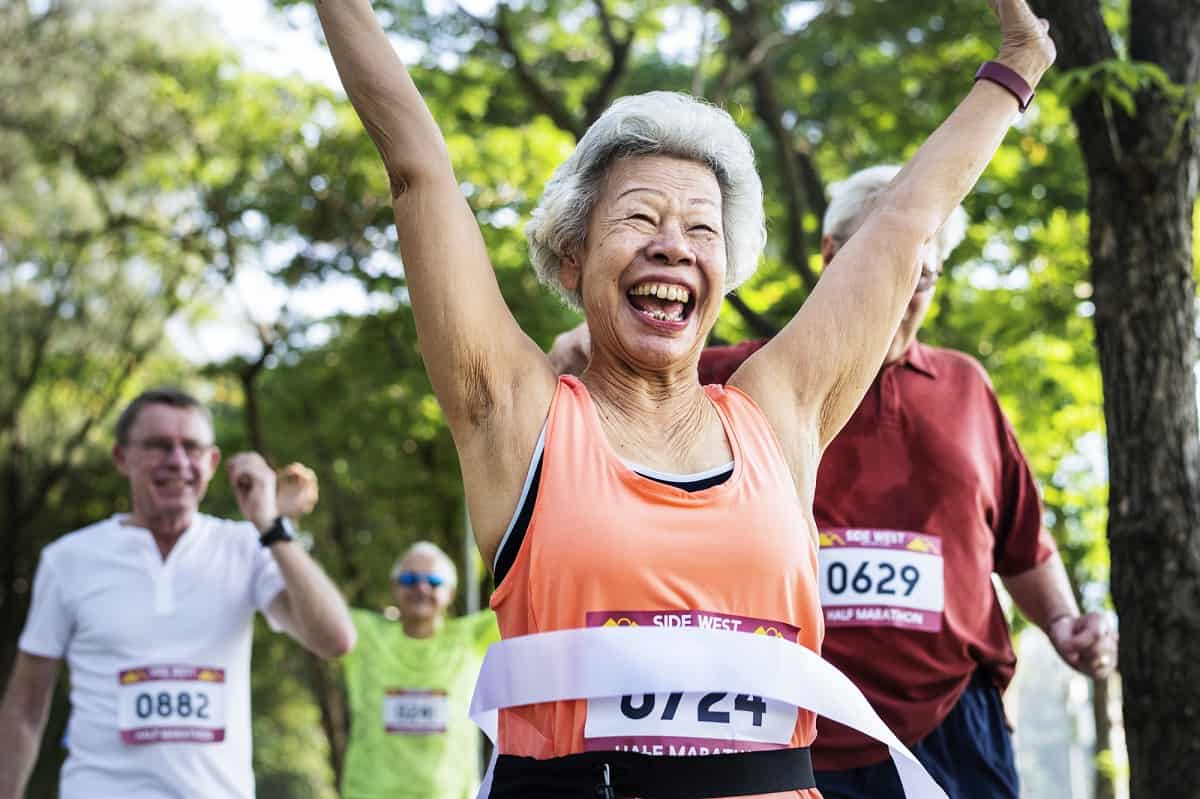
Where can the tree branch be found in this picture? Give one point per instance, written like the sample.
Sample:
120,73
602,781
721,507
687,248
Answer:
769,111
814,185
751,51
618,51
24,383
746,56
51,477
756,321
542,97
697,85
248,375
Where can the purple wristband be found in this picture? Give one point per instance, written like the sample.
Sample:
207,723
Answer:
1003,76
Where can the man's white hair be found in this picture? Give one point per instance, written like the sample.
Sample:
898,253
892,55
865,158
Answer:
851,198
655,123
428,548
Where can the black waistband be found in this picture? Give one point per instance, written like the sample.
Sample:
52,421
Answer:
615,775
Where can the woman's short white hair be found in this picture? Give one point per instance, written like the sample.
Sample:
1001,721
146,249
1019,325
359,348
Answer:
655,123
849,199
428,548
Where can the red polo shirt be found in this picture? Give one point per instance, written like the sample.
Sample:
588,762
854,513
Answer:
926,470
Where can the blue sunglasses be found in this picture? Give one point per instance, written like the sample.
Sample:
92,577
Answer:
410,579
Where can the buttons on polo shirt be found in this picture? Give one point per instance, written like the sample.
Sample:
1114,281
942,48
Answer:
161,573
889,394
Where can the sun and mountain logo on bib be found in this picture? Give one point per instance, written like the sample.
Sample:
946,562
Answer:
881,578
689,723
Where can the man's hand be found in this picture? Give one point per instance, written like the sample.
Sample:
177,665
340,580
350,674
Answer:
253,484
1087,643
571,351
296,490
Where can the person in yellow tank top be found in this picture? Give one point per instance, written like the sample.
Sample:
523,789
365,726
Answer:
642,500
409,682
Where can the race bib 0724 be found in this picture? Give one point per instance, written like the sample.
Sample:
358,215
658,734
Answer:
689,723
881,578
171,704
414,712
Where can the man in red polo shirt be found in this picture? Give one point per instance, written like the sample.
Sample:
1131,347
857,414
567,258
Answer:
920,498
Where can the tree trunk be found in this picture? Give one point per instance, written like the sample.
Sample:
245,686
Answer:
1145,331
1142,173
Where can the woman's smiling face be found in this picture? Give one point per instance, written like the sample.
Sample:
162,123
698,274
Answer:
652,271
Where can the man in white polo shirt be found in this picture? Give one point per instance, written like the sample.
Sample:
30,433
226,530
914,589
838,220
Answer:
153,613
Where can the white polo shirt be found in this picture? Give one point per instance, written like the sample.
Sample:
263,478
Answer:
158,653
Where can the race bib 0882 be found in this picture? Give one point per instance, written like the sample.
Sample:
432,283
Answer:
881,578
689,723
158,704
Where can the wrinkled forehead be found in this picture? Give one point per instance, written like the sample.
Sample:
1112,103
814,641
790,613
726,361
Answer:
167,421
686,182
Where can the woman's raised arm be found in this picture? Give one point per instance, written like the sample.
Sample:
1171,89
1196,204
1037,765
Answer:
815,372
473,348
493,383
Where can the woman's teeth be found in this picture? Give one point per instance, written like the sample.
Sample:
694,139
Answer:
661,290
665,317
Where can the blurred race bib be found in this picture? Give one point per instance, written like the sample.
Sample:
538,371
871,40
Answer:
881,578
689,723
414,712
165,704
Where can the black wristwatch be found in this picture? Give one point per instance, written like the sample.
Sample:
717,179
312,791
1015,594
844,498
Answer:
280,530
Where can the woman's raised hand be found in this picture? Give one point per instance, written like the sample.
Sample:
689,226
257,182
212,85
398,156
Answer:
1025,43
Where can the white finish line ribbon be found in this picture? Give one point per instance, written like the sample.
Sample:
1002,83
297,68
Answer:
589,663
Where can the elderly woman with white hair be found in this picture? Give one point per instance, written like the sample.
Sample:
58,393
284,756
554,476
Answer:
647,500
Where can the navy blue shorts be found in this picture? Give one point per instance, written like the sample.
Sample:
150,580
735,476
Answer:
970,755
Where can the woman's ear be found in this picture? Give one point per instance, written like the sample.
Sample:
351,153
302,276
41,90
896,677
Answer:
569,273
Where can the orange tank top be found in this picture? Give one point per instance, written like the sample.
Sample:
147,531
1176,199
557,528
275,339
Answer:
608,546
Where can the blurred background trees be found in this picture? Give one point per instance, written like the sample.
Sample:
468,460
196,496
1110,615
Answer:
167,215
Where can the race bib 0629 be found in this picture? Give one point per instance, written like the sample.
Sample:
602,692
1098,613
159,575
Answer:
881,578
689,723
163,704
414,712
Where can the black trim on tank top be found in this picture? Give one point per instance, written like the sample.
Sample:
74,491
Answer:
512,542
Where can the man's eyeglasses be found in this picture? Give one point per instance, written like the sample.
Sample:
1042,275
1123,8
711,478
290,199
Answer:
410,579
162,448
